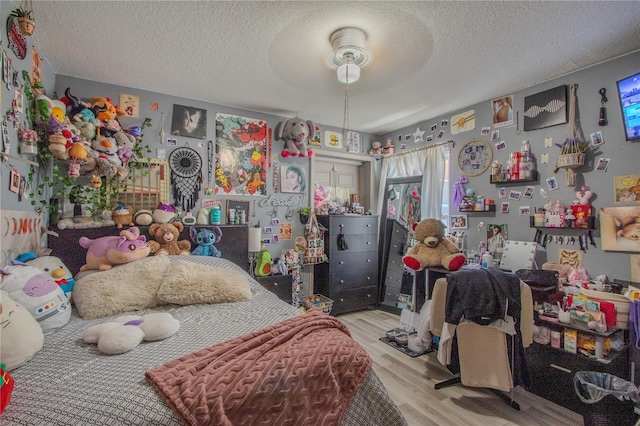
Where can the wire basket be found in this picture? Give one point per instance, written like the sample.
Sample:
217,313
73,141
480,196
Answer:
571,161
319,301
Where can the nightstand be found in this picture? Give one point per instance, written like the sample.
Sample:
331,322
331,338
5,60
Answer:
280,285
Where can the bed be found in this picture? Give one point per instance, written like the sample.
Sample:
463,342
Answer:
70,382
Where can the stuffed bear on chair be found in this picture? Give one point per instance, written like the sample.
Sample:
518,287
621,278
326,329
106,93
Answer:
432,249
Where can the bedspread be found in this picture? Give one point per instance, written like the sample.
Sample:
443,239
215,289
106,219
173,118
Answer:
304,370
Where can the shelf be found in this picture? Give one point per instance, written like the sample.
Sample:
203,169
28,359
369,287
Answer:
592,225
533,179
607,333
611,356
492,208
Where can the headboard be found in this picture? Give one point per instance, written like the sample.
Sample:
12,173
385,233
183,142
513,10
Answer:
233,245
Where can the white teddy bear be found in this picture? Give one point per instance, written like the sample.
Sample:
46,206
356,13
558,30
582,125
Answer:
126,332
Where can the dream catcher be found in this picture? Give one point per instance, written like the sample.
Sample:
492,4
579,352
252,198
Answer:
186,177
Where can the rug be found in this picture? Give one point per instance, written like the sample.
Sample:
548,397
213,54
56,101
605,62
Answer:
405,350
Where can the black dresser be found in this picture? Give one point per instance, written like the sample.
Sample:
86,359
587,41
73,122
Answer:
350,278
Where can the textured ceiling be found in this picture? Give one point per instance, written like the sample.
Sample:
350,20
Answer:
430,58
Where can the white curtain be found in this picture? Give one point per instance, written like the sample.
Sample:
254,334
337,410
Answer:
428,163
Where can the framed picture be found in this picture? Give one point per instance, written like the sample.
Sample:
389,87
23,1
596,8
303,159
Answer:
237,206
130,104
504,207
459,222
189,121
525,210
14,181
545,109
619,228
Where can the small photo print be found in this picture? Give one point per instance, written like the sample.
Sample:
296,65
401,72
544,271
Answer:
434,126
403,146
502,193
172,142
504,207
267,230
525,210
407,137
485,131
552,183
275,221
495,135
276,238
596,139
501,145
429,138
514,195
440,134
266,241
14,181
459,221
603,163
444,123
528,193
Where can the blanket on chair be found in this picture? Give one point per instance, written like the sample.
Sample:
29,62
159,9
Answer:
304,370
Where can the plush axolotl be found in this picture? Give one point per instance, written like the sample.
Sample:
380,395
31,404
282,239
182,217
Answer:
105,252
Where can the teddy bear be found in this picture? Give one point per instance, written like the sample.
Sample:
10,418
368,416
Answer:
388,148
165,239
432,249
126,332
296,133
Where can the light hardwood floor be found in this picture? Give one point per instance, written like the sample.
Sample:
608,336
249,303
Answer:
410,382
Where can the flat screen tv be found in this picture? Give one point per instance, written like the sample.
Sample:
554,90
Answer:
629,92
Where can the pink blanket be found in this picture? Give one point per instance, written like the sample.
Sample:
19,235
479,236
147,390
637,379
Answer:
304,370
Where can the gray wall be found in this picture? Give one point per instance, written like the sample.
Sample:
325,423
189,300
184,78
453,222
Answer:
625,160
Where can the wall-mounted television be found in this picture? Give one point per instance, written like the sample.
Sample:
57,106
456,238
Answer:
629,93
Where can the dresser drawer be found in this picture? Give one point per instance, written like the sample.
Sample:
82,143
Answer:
394,278
345,261
352,279
356,243
280,285
360,225
353,300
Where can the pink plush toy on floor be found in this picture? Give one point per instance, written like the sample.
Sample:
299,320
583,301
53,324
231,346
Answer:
105,252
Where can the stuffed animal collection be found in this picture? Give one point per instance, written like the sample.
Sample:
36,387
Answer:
165,239
296,133
126,332
105,252
205,239
432,249
86,135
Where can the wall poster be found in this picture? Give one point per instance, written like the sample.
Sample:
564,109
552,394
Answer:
242,155
545,109
620,228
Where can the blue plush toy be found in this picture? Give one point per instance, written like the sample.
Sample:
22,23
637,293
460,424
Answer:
205,239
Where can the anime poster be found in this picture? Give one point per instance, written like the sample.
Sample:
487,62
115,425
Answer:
620,228
242,155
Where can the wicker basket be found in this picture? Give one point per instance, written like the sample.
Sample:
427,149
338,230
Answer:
319,301
571,161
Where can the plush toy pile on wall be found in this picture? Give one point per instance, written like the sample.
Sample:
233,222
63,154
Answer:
126,332
39,295
87,135
432,249
296,133
105,252
22,337
205,239
165,239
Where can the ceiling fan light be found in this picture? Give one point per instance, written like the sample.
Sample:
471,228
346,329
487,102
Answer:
348,72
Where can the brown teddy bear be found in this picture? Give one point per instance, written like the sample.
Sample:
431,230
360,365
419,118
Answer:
166,239
432,249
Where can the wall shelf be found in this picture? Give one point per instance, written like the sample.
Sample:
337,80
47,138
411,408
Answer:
534,179
491,208
592,225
